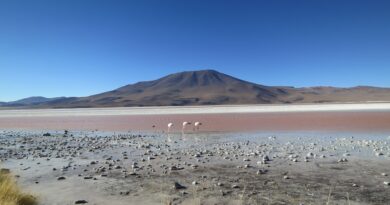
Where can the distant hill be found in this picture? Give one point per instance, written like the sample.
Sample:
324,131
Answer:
30,101
208,87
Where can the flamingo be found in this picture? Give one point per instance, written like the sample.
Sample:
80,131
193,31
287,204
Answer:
197,124
184,126
169,128
196,128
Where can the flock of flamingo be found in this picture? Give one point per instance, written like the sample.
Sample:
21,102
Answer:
185,123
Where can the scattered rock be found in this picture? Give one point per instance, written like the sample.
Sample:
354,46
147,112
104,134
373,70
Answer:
178,186
235,186
379,154
175,168
266,158
124,193
343,160
261,171
60,178
81,202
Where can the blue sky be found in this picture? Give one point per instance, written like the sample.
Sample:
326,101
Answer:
83,47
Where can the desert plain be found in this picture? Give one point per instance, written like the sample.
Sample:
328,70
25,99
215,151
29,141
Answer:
244,154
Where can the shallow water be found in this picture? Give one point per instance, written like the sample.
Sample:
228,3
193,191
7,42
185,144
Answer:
362,121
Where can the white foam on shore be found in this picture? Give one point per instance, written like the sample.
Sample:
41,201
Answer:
219,109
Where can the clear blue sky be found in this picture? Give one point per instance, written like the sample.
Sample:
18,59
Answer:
82,47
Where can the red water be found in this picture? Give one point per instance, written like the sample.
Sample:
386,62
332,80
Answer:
343,121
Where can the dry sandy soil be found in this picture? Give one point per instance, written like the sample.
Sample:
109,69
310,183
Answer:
245,168
304,155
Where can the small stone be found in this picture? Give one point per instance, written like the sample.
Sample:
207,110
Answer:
379,154
80,202
178,186
125,193
261,171
175,168
61,178
286,177
343,160
266,158
386,183
235,186
261,162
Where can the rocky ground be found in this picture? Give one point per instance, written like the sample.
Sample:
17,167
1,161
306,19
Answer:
79,167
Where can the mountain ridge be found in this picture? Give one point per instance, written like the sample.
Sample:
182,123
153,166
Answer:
207,87
29,101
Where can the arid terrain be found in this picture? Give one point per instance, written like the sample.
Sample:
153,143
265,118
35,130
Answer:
294,154
194,102
244,168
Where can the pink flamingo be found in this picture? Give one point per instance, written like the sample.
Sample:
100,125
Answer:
197,125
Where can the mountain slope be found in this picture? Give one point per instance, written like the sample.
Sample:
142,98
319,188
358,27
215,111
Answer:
208,87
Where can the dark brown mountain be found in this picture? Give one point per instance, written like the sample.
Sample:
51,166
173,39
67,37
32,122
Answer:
209,87
205,87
